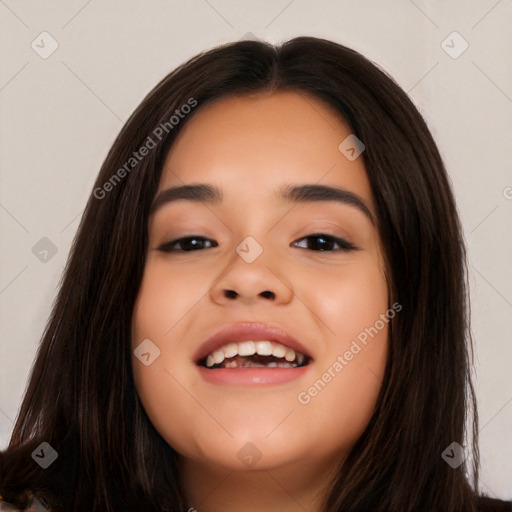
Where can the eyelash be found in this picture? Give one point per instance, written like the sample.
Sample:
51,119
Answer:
343,244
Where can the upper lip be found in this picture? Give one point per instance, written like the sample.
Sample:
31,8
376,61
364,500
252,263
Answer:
244,331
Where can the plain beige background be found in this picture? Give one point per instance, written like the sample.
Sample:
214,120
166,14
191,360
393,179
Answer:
60,114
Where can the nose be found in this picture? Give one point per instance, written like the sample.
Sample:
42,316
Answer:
251,283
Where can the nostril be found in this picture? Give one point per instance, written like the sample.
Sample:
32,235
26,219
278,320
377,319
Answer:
268,295
230,294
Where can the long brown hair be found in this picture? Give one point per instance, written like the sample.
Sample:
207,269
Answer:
81,397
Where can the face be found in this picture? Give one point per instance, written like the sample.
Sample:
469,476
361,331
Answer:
312,268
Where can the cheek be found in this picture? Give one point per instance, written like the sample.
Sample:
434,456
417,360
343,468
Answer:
160,311
347,299
164,298
339,399
348,372
170,409
338,405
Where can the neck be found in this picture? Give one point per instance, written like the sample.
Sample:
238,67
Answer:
297,487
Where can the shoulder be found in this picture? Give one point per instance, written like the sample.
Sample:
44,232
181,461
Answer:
34,505
487,504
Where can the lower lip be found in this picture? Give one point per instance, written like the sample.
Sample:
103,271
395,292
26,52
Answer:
252,376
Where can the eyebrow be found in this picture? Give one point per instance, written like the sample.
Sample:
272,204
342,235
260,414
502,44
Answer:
307,193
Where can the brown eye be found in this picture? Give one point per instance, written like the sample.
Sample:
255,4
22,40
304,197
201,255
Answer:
190,243
323,242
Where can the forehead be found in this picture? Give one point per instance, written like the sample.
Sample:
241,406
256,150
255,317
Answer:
253,144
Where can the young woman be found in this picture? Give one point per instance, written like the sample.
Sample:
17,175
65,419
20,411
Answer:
265,306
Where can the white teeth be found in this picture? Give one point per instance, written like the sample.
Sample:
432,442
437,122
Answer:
218,356
249,348
230,350
263,348
246,348
290,355
278,350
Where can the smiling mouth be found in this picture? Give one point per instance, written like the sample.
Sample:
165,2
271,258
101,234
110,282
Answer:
254,354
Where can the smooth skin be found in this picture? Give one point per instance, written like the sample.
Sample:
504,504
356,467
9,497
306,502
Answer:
249,146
